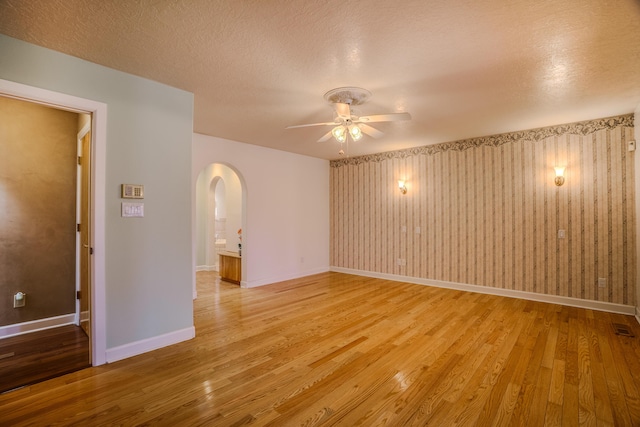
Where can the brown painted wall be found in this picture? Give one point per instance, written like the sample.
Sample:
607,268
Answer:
37,210
489,211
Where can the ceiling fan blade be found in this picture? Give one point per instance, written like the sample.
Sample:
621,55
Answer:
313,124
343,110
326,137
391,117
372,132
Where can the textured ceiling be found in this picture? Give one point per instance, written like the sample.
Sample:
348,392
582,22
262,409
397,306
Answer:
462,68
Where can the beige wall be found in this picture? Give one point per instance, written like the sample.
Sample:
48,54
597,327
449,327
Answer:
489,211
37,210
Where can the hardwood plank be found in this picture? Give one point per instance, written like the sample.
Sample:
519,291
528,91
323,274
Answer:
587,412
335,350
619,409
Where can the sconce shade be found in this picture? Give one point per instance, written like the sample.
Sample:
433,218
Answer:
355,132
402,187
559,180
339,133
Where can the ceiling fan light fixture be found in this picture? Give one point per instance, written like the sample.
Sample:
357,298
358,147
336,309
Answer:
339,133
355,132
347,122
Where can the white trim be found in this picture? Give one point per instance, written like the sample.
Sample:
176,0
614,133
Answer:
262,282
636,134
207,268
531,296
37,325
149,344
98,111
81,134
85,130
77,233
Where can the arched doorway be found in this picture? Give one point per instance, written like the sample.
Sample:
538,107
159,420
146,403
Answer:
219,214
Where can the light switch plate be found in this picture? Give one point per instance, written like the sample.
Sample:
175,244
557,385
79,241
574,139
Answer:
132,210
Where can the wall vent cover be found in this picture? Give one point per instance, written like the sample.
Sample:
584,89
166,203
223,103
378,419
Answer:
623,330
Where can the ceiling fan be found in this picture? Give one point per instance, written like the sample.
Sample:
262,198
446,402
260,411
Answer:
347,121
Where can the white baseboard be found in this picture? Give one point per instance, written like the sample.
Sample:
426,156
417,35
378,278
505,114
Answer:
638,314
282,278
206,268
37,325
149,344
531,296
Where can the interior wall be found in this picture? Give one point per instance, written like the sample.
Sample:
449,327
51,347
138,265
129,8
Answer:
286,225
37,210
148,261
486,212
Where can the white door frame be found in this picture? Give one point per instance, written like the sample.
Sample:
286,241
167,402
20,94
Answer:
98,111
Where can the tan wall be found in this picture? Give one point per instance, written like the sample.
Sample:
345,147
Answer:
489,211
37,210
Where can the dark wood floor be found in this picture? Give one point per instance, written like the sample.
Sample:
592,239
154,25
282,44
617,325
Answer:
37,356
341,350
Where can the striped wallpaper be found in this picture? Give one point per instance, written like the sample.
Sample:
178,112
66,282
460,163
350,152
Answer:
486,211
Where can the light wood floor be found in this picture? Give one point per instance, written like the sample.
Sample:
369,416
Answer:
334,349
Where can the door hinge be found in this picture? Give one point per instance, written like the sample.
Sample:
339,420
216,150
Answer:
78,228
90,251
79,160
78,294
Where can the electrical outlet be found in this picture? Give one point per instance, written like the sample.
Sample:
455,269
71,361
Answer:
402,261
418,230
19,300
561,234
602,282
403,229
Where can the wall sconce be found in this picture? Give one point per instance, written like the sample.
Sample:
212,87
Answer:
559,180
402,187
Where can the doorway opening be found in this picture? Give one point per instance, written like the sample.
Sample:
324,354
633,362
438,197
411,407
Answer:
90,315
220,202
44,206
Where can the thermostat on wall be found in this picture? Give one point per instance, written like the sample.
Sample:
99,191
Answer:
132,191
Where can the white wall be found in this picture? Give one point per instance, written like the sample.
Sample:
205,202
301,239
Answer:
148,141
286,217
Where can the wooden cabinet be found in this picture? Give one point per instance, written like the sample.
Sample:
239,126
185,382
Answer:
230,267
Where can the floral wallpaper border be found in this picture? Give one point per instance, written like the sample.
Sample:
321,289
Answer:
578,128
